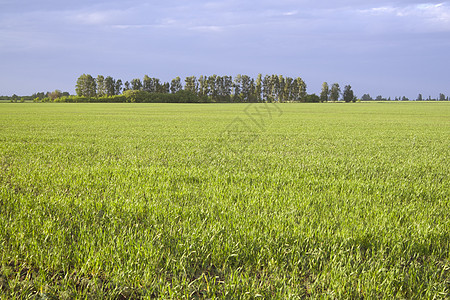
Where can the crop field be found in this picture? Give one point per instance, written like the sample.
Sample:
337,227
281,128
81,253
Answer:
225,201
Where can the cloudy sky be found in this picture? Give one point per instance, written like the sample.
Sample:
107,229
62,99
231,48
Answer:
389,48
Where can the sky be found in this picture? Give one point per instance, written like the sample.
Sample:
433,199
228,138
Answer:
388,48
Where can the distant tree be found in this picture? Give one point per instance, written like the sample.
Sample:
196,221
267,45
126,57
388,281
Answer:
101,89
258,87
288,86
441,97
334,92
118,87
212,86
166,88
405,98
366,97
312,98
110,86
227,87
419,97
299,90
237,88
267,88
348,94
127,86
246,88
54,95
380,98
176,86
147,84
282,85
202,86
325,92
158,86
136,84
191,84
86,86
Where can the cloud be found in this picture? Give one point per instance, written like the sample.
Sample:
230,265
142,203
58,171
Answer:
422,17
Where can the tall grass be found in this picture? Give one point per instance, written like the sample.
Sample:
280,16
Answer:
170,201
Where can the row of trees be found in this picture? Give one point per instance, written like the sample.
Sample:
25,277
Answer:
50,96
333,93
242,88
442,97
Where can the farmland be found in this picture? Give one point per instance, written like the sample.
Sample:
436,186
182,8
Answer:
225,200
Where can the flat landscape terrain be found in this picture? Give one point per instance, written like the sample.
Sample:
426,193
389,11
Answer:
227,201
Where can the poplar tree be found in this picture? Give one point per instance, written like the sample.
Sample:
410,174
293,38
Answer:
334,92
136,84
348,94
147,84
258,87
101,90
191,84
118,87
325,92
267,88
176,86
110,86
202,86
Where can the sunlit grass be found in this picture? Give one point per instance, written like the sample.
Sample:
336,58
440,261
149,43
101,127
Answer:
225,200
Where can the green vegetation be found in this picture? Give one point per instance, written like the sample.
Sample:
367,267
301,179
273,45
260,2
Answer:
243,88
225,201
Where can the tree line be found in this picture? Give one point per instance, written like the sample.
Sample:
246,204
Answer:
442,97
214,88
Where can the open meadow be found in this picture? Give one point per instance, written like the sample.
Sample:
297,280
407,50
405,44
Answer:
246,201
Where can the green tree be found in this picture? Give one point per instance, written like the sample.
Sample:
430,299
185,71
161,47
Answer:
86,86
202,86
211,82
127,86
334,92
237,88
227,86
101,88
325,92
267,88
147,84
54,95
110,86
165,88
282,84
366,97
348,94
246,88
118,87
300,90
136,84
176,86
275,87
258,88
191,84
312,98
287,92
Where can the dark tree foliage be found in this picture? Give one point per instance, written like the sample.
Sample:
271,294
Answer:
348,94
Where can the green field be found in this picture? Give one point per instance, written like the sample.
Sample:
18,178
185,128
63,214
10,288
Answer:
227,201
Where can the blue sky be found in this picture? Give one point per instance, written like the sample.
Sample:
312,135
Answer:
389,48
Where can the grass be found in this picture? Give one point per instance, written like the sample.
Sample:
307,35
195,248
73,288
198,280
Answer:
225,201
